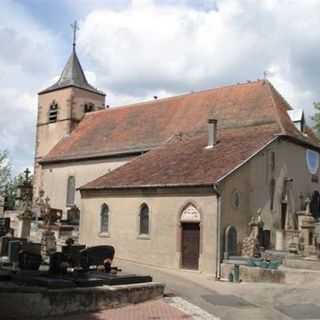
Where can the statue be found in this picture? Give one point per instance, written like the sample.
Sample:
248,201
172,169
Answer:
251,244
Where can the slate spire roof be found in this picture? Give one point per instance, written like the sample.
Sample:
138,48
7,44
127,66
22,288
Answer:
72,75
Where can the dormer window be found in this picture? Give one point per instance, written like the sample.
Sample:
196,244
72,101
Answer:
53,111
88,107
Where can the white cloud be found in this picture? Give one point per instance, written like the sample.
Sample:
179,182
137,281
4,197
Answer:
161,47
27,60
146,47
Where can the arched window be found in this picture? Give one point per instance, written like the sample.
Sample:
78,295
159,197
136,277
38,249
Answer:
104,219
53,111
71,191
144,219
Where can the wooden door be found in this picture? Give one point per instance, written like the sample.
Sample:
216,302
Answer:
190,245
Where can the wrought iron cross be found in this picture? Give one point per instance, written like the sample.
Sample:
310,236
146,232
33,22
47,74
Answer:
27,172
75,28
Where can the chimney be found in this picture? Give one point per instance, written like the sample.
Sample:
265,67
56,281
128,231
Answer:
212,132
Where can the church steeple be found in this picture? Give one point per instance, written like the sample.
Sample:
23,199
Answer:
61,108
72,74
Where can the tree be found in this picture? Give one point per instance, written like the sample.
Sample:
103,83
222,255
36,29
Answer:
316,117
5,170
11,191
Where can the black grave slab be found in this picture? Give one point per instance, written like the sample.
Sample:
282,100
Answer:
29,260
72,254
5,275
120,278
95,256
41,280
89,282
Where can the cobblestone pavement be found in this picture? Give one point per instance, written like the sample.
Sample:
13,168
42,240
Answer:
230,301
162,309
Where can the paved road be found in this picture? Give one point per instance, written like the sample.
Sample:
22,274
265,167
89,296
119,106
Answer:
238,301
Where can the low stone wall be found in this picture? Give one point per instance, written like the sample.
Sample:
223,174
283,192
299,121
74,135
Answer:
301,263
37,303
254,274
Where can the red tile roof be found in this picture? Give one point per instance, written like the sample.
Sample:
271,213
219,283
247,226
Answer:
249,116
144,126
189,162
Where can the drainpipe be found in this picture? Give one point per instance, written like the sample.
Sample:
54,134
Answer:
218,233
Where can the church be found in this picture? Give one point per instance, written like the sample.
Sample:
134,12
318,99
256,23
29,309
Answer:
165,181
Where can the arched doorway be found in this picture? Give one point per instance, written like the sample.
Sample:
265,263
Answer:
190,237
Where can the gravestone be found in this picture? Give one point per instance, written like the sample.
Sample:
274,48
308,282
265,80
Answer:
25,223
48,243
251,245
4,226
4,244
13,251
97,256
72,254
1,206
230,242
30,257
73,215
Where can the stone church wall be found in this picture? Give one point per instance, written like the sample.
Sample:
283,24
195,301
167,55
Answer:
163,247
70,102
253,183
55,177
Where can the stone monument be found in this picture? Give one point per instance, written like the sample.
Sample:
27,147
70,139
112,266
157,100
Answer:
49,216
24,192
25,206
251,244
307,231
1,206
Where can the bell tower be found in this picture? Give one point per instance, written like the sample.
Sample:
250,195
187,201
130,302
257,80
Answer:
61,107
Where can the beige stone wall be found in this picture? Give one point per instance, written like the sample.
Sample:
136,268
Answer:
81,97
163,247
253,182
55,177
70,111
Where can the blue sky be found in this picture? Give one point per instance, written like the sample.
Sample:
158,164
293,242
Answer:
135,49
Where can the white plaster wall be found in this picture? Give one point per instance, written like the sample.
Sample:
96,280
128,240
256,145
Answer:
163,247
55,177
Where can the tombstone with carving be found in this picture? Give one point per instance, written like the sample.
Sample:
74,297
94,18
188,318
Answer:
73,215
50,216
306,227
24,201
251,244
1,206
24,192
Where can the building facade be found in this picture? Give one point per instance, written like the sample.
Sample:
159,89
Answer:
167,181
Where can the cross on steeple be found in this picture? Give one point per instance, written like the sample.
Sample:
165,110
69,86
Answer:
75,28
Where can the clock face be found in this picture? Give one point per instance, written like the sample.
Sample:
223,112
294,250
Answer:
312,158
